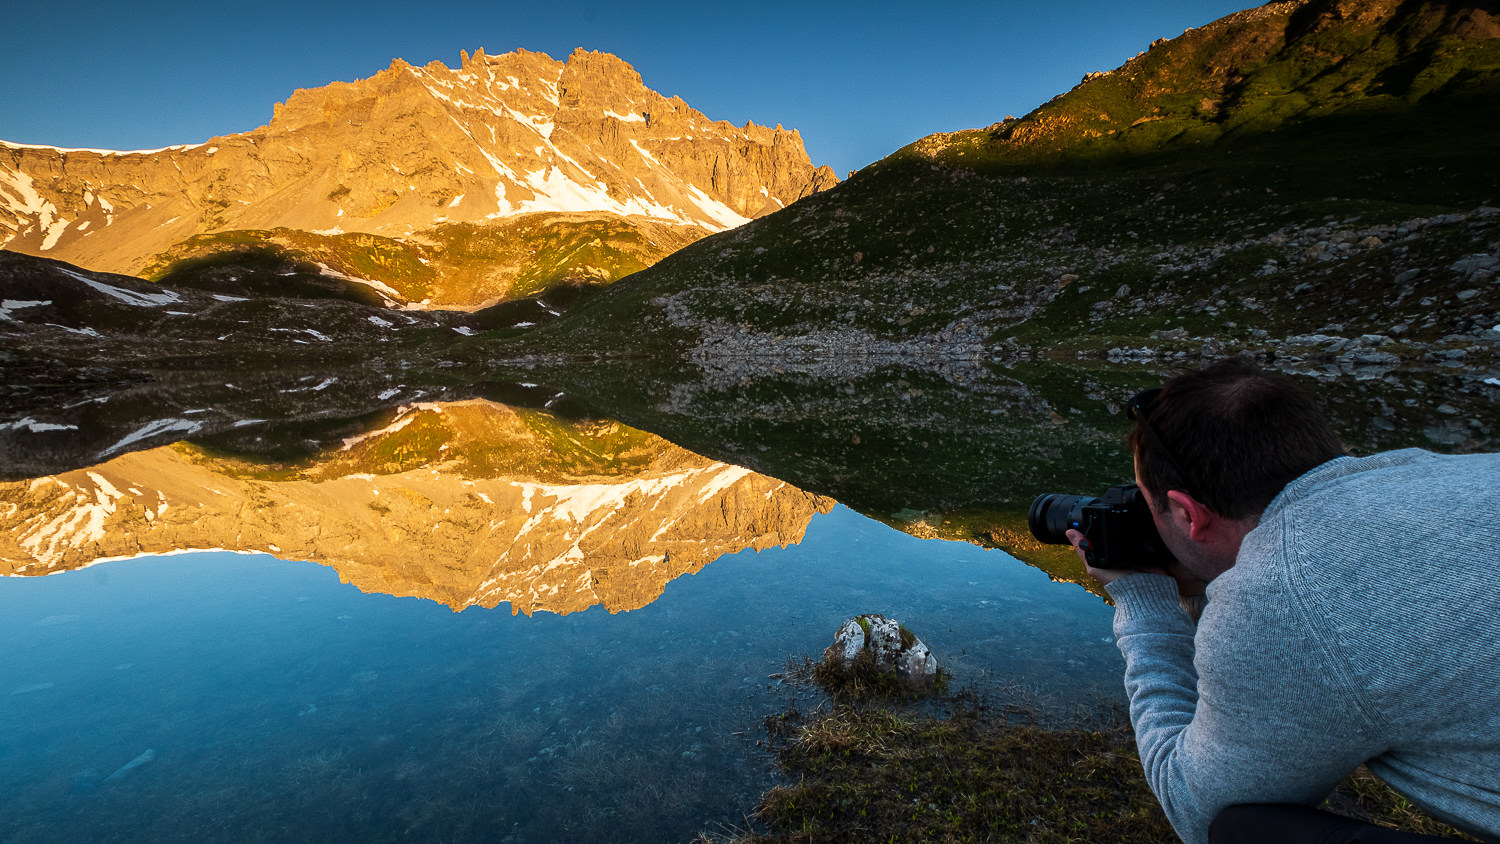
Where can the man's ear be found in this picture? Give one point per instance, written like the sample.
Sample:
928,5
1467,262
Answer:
1190,515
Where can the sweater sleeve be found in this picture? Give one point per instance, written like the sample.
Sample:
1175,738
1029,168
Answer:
1230,713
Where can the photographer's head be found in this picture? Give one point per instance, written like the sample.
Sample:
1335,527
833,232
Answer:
1230,436
1212,448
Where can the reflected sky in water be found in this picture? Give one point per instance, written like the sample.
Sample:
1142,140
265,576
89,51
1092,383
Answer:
280,704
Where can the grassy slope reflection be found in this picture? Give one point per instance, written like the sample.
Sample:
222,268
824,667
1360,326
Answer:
471,503
962,456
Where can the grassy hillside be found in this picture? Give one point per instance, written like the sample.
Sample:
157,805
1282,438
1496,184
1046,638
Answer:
1295,170
458,265
1262,70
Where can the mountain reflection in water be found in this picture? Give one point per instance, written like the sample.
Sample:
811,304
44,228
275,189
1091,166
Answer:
282,705
232,697
240,697
467,504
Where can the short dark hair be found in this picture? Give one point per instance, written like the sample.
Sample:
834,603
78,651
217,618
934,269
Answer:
1241,433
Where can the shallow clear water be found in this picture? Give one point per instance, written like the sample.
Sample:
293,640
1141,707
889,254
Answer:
279,704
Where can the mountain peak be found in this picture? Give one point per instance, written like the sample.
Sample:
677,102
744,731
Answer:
412,147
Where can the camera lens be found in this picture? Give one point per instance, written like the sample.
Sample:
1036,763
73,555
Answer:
1051,516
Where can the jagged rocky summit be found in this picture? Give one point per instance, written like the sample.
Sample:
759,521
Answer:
407,149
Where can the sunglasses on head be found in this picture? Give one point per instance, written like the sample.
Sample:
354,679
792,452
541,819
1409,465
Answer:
1136,411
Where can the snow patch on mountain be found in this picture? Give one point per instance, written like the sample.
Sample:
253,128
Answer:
9,305
173,148
21,198
186,427
129,297
29,424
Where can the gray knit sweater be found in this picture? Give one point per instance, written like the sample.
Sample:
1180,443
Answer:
1359,624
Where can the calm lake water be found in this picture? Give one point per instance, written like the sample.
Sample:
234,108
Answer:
275,703
466,616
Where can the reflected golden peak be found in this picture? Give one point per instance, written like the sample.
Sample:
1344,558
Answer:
468,504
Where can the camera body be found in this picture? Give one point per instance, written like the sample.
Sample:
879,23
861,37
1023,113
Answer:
1118,525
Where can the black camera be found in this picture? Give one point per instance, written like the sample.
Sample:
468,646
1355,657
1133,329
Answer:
1117,524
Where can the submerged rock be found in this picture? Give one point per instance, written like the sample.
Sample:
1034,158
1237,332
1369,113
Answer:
143,759
86,781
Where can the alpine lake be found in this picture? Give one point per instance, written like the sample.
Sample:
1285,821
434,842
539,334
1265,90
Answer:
442,604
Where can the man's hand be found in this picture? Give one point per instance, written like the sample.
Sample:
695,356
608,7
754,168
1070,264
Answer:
1188,585
1104,576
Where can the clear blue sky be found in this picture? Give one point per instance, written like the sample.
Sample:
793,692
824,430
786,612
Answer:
858,79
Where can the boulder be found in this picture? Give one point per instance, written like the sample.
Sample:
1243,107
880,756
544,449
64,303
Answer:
874,644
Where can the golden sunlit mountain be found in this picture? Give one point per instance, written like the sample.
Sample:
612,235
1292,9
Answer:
468,504
410,150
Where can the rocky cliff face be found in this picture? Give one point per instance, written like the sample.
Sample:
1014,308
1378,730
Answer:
547,535
405,150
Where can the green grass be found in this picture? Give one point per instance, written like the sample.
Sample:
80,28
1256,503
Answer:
1235,79
454,265
261,260
884,773
552,250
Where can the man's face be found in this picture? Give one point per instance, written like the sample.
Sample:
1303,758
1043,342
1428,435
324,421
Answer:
1191,555
1163,521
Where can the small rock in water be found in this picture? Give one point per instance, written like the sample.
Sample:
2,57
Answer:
892,650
